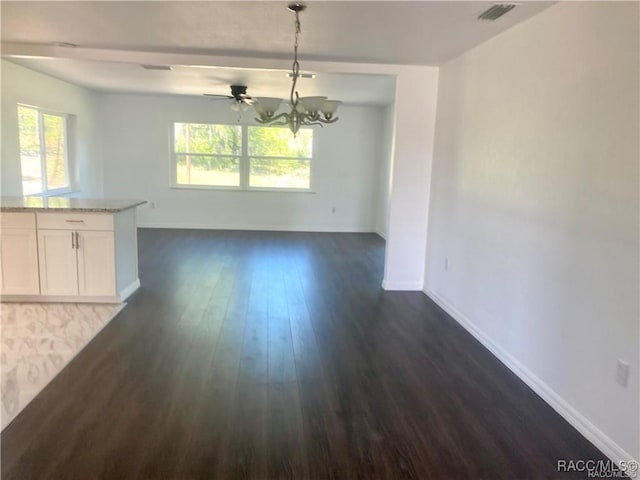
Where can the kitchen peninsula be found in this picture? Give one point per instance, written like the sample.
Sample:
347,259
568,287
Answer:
61,249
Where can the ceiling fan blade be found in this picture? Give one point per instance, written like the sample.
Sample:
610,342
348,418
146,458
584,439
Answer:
238,97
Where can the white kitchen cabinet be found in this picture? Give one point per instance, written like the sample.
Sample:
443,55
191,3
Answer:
70,255
18,255
77,262
62,249
96,263
87,255
58,262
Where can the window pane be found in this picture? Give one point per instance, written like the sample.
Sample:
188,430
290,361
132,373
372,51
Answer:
207,170
280,142
206,138
54,151
280,173
29,137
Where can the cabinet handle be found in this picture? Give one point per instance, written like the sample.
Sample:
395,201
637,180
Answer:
74,221
73,240
77,240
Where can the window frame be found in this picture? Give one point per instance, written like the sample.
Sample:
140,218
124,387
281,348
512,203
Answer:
47,192
245,162
281,157
174,159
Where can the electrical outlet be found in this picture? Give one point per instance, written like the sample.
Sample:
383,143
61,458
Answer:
446,264
622,373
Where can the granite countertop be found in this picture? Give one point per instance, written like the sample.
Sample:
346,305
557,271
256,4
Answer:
66,204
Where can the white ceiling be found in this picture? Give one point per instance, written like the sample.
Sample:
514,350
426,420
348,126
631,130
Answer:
381,32
412,33
359,89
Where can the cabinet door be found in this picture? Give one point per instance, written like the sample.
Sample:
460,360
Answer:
19,262
96,263
58,264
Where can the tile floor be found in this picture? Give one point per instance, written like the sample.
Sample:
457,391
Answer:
37,341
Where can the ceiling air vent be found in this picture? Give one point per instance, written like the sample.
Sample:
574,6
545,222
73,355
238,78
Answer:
156,67
302,75
496,11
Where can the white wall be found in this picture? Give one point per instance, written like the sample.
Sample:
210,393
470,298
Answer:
137,164
21,85
384,180
413,137
535,205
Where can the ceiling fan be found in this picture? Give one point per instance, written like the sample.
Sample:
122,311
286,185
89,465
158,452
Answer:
238,96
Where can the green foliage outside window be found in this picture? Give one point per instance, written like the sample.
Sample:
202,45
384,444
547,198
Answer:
208,154
279,142
224,140
34,125
54,152
28,131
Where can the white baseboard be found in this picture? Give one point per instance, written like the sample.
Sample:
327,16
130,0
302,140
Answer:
265,228
121,297
57,299
592,433
127,291
402,286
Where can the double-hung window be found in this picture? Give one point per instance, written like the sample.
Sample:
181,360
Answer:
241,157
277,159
207,154
44,162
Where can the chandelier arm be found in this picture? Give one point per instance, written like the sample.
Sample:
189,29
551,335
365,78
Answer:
328,120
283,123
312,117
272,119
263,121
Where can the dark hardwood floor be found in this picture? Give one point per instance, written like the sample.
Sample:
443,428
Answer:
277,356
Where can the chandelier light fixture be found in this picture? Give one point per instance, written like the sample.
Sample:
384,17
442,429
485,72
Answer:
304,111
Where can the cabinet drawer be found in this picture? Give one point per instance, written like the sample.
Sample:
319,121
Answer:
17,220
75,221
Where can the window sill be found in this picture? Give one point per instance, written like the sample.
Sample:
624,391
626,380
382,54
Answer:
54,193
241,190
